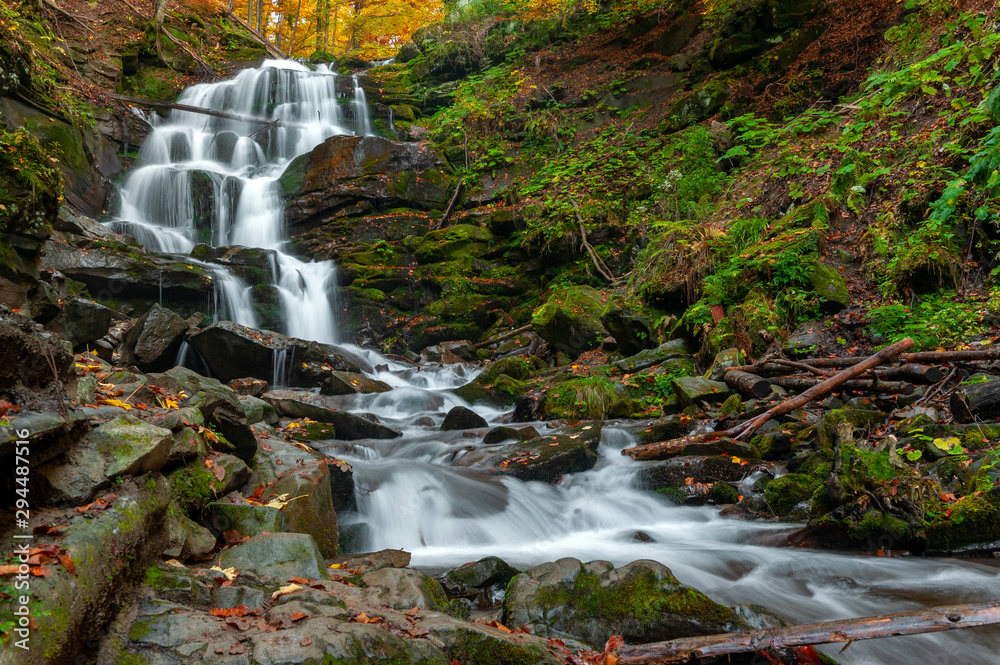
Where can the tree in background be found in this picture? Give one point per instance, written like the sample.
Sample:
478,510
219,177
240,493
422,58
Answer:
368,29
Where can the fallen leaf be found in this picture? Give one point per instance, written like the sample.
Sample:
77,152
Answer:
220,472
284,591
67,563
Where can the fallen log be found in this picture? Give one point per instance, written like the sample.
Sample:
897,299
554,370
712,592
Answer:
657,451
969,355
746,429
914,372
930,620
860,385
976,401
271,49
504,337
138,101
748,385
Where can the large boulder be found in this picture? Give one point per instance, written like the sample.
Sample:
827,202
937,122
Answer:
632,332
82,321
347,426
544,458
277,557
122,447
570,320
360,174
675,348
232,351
25,373
310,508
641,601
461,417
154,339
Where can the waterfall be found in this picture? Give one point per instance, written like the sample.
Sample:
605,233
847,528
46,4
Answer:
202,178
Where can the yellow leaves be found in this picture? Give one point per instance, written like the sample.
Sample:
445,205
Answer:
115,402
228,573
168,403
211,436
284,591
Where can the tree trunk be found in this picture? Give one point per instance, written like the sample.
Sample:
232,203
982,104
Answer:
860,385
295,29
748,385
159,13
976,401
931,620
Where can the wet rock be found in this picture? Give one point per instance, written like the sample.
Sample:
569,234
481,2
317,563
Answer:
453,243
692,391
785,493
258,411
348,426
361,172
124,446
724,359
632,332
502,434
188,539
248,386
351,383
677,348
233,351
502,382
665,429
526,409
367,562
472,580
570,320
277,557
310,508
642,601
807,340
245,518
112,550
154,339
545,458
665,477
461,417
82,321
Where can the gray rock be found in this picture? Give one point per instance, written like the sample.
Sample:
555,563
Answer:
351,383
676,348
257,410
246,519
154,339
82,321
472,579
693,391
461,417
277,557
310,508
642,601
349,427
188,539
633,333
124,446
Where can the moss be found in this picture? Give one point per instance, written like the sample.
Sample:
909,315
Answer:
193,486
588,398
786,492
478,649
732,406
128,658
826,429
973,520
724,493
140,629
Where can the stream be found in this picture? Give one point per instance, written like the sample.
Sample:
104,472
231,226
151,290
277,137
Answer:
409,492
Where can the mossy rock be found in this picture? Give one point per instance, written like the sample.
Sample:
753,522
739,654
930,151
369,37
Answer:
826,429
974,521
830,285
454,242
641,601
786,492
570,320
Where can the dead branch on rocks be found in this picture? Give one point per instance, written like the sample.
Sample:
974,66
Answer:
931,620
504,337
860,385
746,429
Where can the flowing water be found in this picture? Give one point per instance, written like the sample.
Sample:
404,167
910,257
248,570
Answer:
409,492
201,178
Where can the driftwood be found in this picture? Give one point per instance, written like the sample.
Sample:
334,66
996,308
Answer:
914,372
137,101
930,620
976,401
746,429
747,384
504,337
861,385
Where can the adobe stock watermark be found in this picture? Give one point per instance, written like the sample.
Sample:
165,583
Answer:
22,537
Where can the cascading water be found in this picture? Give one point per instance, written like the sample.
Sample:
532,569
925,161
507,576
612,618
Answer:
413,493
210,179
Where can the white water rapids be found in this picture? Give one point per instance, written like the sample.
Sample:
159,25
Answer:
409,494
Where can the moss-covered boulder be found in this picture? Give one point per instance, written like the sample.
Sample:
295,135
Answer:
544,458
831,286
974,524
310,504
502,382
785,493
632,332
641,601
122,447
693,390
570,320
675,348
454,242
